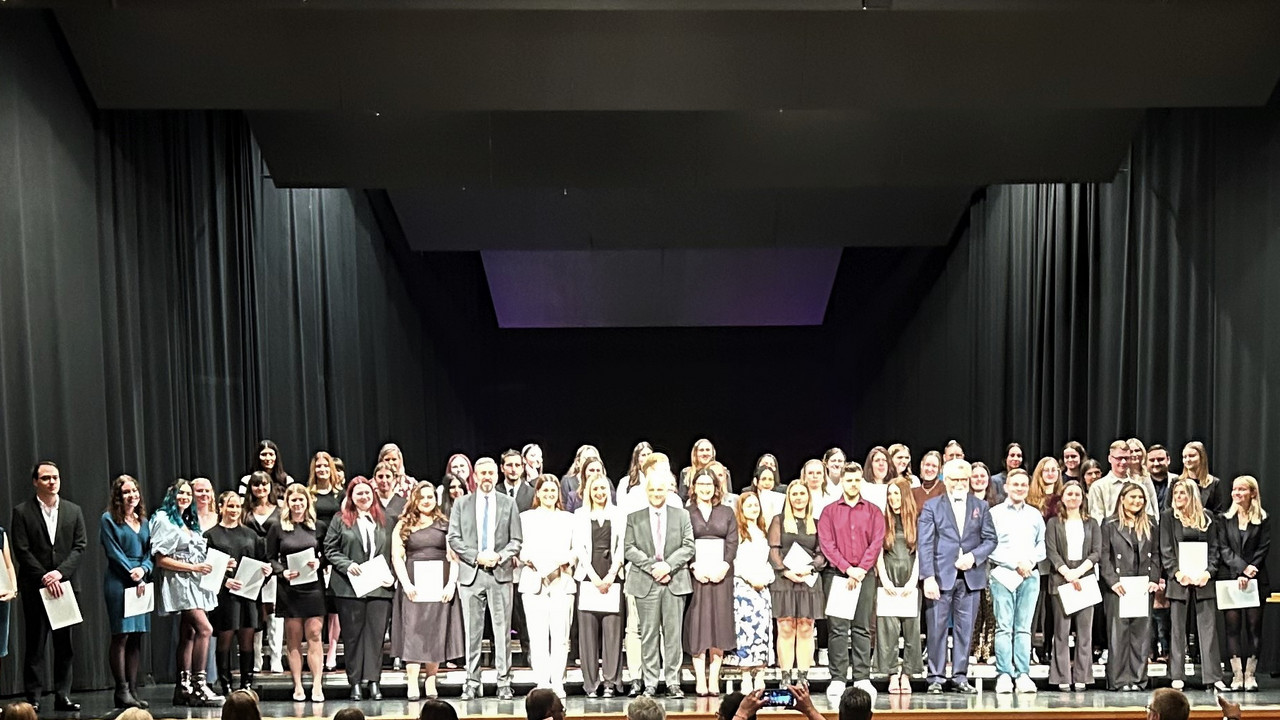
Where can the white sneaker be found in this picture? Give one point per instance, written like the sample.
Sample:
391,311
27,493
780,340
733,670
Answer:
559,691
868,687
1178,684
1024,684
836,688
1004,685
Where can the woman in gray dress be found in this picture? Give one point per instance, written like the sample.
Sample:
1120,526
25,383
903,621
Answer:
898,570
709,627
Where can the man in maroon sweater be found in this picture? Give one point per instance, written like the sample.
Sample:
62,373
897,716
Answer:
851,535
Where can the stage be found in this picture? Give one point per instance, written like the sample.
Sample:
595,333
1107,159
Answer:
1091,705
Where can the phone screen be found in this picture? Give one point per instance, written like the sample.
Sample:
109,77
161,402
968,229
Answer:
780,697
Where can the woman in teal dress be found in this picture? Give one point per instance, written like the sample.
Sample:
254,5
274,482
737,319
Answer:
126,540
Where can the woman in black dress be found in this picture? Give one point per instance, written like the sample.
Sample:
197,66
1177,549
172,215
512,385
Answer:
797,602
300,604
424,630
709,627
261,511
235,616
1246,541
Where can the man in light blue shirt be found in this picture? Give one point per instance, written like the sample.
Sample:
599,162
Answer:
1015,586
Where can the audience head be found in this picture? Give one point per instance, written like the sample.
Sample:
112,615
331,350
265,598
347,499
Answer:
128,714
543,704
21,711
644,708
433,709
729,707
1168,704
241,705
351,713
856,703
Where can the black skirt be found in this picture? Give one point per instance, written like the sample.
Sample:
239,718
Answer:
234,612
300,601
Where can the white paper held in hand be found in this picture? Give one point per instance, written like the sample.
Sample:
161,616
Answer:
62,611
135,605
219,561
797,559
374,574
708,554
841,601
1193,558
249,574
428,580
590,599
299,562
1231,597
1073,601
269,590
1136,601
905,606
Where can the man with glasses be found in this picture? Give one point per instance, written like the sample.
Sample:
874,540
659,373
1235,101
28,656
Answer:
1106,491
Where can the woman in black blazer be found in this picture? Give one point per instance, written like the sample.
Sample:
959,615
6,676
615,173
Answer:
1073,542
1130,548
1245,532
356,535
1188,522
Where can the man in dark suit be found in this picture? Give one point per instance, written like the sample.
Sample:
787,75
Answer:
658,547
955,537
513,485
49,539
484,532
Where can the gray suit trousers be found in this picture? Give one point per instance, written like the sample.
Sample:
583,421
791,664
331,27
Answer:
661,626
497,596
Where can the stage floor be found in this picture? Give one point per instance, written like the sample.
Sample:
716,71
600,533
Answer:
1093,704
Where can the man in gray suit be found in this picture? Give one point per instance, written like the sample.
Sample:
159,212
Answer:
658,548
484,532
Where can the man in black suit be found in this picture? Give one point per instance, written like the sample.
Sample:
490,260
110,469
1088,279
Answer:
48,540
513,485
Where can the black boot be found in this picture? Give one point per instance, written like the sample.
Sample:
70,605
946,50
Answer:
224,672
133,692
182,691
246,670
122,698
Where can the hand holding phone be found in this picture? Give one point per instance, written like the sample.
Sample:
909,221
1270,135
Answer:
779,697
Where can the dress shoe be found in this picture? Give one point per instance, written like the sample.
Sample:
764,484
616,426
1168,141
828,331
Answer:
675,693
375,693
357,696
934,689
608,691
637,687
505,693
469,692
62,703
34,702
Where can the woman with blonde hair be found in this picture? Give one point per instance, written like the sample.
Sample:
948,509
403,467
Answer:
598,531
898,570
325,485
425,631
571,483
1246,541
814,475
1215,496
402,482
1186,524
300,605
1045,495
1130,549
900,459
752,604
1137,458
727,495
701,456
796,591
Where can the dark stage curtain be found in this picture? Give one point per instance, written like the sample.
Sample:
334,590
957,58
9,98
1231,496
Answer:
164,306
1136,307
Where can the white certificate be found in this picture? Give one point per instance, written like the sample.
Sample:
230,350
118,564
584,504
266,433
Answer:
708,553
876,495
269,590
139,605
373,575
213,581
297,562
1193,558
249,574
907,605
5,585
1073,600
1008,577
62,611
797,559
590,599
1136,601
428,580
841,601
1231,597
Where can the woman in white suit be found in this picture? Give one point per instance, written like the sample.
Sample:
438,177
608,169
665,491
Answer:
598,530
546,582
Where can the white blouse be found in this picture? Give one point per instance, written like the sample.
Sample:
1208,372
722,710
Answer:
752,561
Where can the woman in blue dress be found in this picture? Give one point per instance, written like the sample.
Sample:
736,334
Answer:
126,541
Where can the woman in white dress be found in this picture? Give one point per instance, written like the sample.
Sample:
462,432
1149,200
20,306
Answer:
546,582
752,605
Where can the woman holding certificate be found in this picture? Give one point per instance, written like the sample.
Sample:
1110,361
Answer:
1073,544
1246,540
1189,551
797,590
426,627
292,549
358,546
709,625
235,616
180,552
1130,566
898,570
126,540
598,530
752,576
546,578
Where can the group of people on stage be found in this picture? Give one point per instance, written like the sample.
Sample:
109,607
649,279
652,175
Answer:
664,564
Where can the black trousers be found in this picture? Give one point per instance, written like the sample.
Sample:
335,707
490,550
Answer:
364,624
37,637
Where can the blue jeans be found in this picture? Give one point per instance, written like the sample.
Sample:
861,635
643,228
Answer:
1014,610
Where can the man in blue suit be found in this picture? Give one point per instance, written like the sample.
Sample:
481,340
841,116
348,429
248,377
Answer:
955,538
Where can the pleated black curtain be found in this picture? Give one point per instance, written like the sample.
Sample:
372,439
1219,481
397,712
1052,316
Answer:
1136,307
164,306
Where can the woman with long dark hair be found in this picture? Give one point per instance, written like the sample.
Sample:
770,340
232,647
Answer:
180,552
452,488
898,570
709,627
1012,461
631,488
879,469
1073,544
266,458
459,466
126,541
1073,456
983,645
546,578
752,602
235,618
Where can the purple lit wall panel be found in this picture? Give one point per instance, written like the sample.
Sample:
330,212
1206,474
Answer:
660,288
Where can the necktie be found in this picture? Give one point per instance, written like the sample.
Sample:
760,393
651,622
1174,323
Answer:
484,527
661,539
